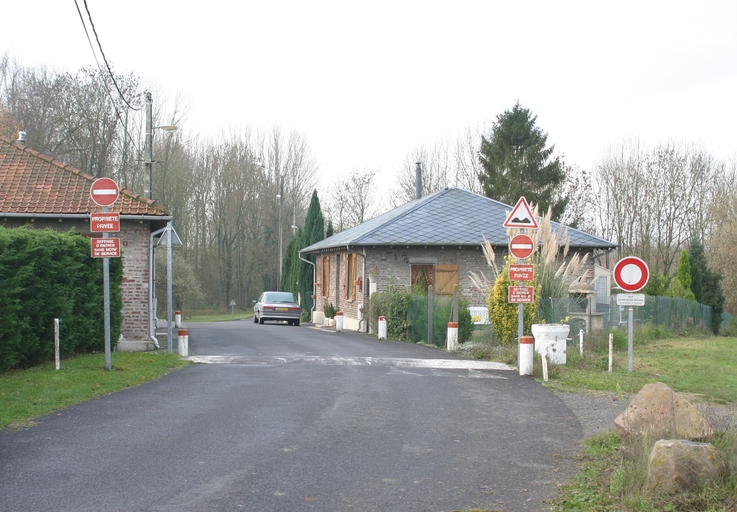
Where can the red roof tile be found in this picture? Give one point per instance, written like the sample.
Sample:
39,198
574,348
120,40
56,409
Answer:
31,182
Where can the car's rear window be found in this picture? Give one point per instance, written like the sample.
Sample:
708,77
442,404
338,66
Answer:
279,297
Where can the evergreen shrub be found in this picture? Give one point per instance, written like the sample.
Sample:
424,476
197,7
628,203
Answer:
45,275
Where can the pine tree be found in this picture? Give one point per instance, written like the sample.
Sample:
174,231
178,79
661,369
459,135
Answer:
516,163
314,231
706,284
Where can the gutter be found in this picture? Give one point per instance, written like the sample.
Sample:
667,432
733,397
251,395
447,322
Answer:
82,216
151,289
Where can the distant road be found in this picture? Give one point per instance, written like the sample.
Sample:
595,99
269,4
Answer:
281,418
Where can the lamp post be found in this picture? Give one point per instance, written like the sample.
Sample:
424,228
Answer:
149,140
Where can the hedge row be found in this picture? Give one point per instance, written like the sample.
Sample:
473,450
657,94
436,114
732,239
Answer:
45,275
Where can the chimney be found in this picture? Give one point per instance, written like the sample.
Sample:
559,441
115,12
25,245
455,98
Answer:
418,181
21,138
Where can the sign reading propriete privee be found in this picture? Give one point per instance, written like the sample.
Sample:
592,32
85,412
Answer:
104,222
521,272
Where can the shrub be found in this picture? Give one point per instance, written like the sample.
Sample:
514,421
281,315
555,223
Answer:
394,305
44,275
503,315
329,310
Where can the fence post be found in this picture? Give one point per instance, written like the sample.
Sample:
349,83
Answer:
56,344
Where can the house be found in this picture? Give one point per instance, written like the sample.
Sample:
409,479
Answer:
38,191
435,239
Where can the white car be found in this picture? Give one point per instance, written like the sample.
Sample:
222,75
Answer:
277,306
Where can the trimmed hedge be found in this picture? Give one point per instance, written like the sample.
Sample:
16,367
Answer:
44,275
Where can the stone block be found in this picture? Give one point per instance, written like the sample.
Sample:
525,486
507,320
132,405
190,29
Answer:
658,410
685,464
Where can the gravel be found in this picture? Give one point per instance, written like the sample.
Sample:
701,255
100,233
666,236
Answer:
595,411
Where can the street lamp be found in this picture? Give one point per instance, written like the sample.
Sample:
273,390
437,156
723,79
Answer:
280,197
149,138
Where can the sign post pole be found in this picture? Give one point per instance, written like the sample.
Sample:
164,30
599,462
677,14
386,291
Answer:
106,299
631,274
104,192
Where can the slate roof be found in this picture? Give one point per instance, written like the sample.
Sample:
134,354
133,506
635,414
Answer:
453,217
33,183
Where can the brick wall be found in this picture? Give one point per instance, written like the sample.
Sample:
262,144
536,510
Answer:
134,240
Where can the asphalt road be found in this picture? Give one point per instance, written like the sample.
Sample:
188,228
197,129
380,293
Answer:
281,418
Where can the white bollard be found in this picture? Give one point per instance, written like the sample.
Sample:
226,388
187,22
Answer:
178,319
183,338
382,327
580,342
611,350
339,321
526,354
452,343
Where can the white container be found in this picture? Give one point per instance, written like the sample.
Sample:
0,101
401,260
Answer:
551,339
339,321
382,327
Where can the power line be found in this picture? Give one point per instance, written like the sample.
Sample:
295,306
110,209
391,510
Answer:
107,65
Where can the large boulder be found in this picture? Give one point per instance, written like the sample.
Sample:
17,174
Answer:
656,409
685,464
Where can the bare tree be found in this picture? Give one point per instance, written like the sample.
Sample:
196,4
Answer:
353,200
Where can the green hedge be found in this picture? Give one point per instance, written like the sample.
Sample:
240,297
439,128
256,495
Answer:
44,275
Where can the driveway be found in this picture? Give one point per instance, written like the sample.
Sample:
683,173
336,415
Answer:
275,418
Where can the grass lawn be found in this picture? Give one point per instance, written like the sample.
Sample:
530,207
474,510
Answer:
220,317
42,389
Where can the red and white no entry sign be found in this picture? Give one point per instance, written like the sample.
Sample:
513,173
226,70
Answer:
521,246
631,274
104,191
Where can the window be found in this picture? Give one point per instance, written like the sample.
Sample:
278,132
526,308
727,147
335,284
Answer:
446,277
422,277
350,276
325,283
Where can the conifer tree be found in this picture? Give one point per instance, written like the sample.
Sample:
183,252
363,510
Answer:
515,163
314,231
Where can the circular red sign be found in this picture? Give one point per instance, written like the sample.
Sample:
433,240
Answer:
631,274
521,246
104,191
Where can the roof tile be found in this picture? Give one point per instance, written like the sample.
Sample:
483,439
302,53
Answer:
31,182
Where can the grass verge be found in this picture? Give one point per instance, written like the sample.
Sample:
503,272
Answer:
612,473
220,317
25,394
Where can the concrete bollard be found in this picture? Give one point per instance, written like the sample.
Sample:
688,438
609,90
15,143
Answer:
178,319
183,338
382,327
452,343
339,321
526,353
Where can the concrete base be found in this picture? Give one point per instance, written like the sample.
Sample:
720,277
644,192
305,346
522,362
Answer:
318,317
134,346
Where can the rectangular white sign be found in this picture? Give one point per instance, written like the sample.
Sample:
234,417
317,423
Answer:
630,299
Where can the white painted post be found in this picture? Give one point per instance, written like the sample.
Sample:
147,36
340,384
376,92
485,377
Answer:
382,327
56,343
339,321
178,319
580,342
526,354
452,340
611,350
183,338
545,365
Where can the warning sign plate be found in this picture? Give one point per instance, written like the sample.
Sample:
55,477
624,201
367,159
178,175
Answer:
106,247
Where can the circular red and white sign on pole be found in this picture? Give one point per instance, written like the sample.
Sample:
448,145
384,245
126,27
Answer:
631,274
521,246
104,191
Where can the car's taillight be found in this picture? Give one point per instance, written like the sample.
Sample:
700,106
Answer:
294,309
268,308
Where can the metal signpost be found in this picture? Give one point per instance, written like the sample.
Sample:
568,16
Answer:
521,246
631,274
104,192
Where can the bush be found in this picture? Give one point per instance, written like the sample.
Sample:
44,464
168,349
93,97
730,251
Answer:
45,275
441,316
394,305
503,315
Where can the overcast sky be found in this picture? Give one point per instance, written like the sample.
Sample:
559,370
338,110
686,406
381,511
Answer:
366,82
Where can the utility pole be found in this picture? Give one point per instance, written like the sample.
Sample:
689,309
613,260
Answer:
149,157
